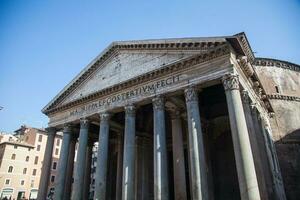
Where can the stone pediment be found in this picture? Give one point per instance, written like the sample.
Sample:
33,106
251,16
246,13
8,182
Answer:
123,61
123,66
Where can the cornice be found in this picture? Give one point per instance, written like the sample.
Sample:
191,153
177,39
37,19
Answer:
188,44
283,97
268,62
252,77
183,64
245,46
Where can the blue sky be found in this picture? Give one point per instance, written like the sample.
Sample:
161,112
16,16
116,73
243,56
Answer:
44,44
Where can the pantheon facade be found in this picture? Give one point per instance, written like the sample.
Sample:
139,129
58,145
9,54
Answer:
188,118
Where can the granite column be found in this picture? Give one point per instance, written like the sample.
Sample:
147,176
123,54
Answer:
43,186
198,165
70,168
128,186
161,185
178,156
87,173
63,163
102,155
77,191
241,143
119,167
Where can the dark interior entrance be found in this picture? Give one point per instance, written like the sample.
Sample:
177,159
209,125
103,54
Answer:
223,181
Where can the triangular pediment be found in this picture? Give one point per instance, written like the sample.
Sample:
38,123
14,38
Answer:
123,66
123,61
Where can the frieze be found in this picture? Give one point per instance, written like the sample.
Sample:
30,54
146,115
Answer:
148,88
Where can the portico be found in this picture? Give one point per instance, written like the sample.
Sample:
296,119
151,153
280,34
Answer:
146,103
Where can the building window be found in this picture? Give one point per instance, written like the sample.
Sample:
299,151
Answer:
56,151
22,182
54,165
33,172
28,149
38,147
7,181
27,158
24,170
52,179
36,160
15,146
32,183
13,156
40,138
57,142
10,169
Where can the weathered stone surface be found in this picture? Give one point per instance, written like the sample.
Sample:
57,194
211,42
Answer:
124,66
287,81
130,72
209,71
282,84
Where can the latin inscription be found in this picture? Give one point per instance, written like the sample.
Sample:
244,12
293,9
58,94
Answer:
145,89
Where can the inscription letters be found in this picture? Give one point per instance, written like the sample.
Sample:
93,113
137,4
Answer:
149,88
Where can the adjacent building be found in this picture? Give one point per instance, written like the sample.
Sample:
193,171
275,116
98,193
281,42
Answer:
21,159
187,118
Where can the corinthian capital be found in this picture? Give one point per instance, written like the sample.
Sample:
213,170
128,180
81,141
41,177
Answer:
68,128
158,103
51,130
130,110
105,116
231,82
245,97
84,123
191,94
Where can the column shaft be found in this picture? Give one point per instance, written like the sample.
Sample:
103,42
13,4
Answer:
256,147
102,155
198,166
77,191
242,149
87,173
70,169
119,168
43,187
128,192
161,185
178,157
63,163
